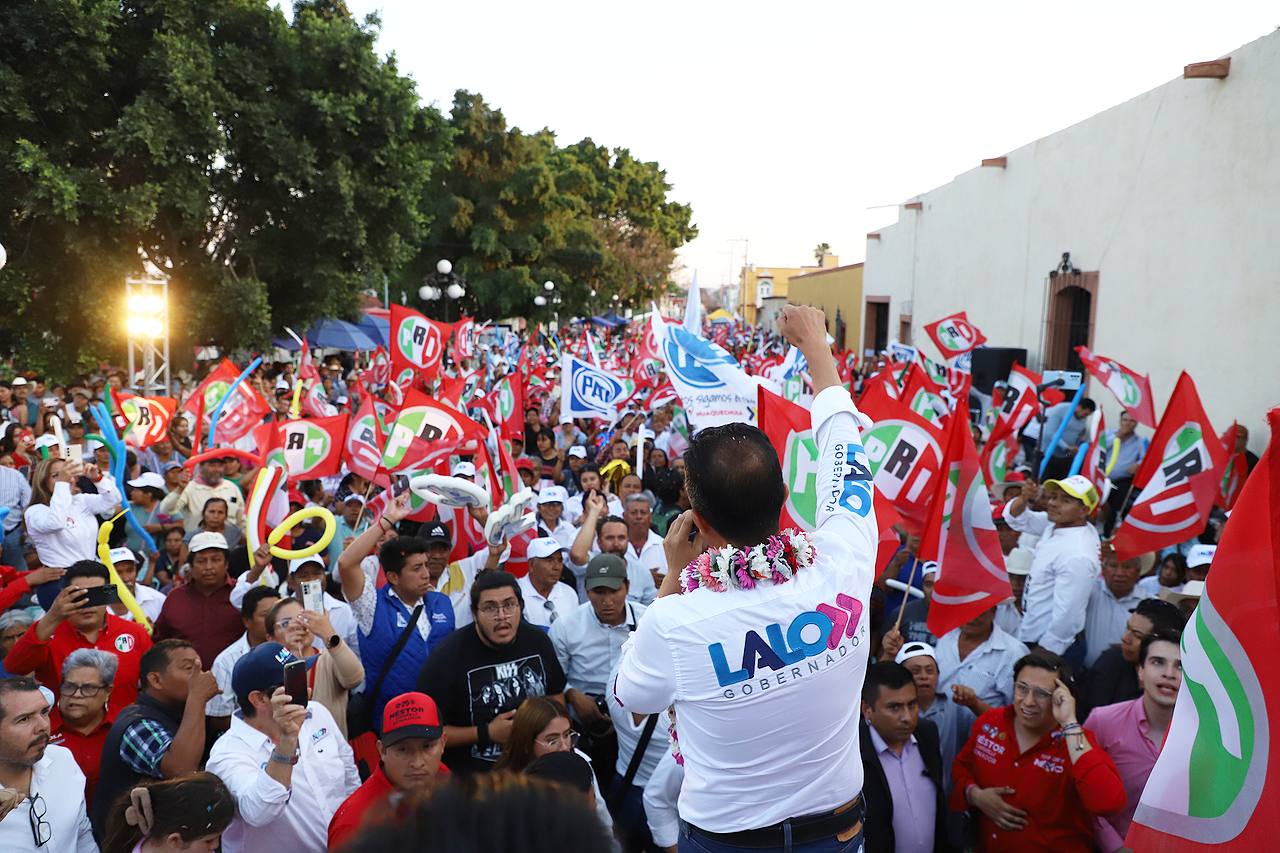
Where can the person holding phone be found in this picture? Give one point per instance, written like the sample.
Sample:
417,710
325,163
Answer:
337,668
61,521
79,618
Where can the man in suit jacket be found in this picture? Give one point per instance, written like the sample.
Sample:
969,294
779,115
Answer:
902,767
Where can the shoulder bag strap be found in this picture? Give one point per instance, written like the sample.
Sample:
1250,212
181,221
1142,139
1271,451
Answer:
401,642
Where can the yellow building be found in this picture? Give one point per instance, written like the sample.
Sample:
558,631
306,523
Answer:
757,283
837,292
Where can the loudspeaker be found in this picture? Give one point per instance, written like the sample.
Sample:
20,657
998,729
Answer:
992,364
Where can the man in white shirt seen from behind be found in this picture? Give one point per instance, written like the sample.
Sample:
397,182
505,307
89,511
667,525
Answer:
1065,564
42,805
546,599
287,766
764,676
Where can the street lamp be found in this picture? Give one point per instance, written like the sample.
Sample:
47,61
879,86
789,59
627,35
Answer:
548,286
444,283
147,325
540,300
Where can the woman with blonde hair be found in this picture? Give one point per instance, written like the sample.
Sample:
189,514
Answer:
62,521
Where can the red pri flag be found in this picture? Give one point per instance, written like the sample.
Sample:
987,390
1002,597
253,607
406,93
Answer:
955,335
244,411
1234,472
1092,467
1176,483
365,437
962,537
1131,390
1216,783
790,431
1020,402
905,452
507,406
146,419
462,333
312,447
424,433
417,346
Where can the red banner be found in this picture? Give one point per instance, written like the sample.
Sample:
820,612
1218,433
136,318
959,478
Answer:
1131,390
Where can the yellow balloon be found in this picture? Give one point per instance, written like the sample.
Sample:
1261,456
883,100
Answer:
126,598
330,528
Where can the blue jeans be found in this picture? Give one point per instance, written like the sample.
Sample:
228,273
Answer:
12,554
694,841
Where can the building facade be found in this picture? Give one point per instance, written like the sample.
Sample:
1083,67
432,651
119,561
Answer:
1165,205
759,283
837,292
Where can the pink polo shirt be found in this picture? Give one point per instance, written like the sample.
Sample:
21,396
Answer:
1121,729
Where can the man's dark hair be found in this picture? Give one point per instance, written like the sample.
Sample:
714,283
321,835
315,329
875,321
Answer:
1164,615
16,684
1046,661
609,519
884,673
665,485
496,579
397,552
156,658
86,569
563,768
735,482
1164,635
1087,404
253,598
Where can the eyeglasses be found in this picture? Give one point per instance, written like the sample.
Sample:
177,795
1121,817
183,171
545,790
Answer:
41,831
1042,695
554,741
505,607
68,688
550,607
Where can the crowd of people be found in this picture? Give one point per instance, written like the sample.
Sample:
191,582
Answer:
538,693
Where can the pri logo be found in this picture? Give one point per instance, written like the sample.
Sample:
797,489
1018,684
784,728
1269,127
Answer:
419,341
800,468
430,424
1210,776
691,356
506,402
957,335
305,447
1167,503
363,441
903,459
1121,384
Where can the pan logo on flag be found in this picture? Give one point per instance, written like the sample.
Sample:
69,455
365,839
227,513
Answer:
1212,769
958,334
419,341
800,468
429,424
305,447
894,449
595,389
688,356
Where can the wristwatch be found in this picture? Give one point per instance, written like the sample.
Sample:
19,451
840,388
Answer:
286,759
334,640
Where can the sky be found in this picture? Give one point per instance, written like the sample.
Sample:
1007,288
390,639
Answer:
786,125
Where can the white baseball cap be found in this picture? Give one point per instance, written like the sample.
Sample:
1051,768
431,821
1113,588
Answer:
464,469
915,650
123,555
543,547
1201,555
148,478
579,451
207,539
294,565
553,494
353,497
18,381
46,440
1018,562
930,569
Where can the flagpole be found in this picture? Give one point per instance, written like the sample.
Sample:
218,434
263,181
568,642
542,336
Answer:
906,595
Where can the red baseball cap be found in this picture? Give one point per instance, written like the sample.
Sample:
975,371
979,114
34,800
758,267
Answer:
1015,477
295,497
410,715
524,464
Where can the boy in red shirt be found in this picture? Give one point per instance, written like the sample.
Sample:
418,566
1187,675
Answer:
1032,774
410,747
69,626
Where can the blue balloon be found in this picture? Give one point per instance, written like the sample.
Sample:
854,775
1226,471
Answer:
217,410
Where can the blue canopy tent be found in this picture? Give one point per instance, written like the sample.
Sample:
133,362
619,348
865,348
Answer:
611,320
377,328
332,334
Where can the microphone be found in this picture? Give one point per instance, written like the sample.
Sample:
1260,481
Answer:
1057,383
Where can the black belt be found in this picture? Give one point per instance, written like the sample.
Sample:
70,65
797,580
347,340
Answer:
804,830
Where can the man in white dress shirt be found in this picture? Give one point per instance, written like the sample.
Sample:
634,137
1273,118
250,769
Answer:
545,598
644,547
765,680
610,534
287,766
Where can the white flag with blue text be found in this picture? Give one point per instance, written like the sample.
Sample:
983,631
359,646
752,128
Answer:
586,391
711,385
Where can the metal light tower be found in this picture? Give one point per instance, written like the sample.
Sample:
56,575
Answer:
147,324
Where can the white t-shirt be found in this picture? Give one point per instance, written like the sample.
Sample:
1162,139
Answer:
766,682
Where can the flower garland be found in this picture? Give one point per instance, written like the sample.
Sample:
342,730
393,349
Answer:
776,560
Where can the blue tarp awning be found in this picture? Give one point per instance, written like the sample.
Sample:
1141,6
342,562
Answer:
334,334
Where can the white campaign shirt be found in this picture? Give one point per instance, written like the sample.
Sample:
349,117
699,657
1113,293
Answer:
1065,564
765,682
573,510
660,800
629,732
649,557
60,784
67,529
341,616
563,601
151,601
271,818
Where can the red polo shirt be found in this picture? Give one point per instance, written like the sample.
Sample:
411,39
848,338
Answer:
1060,798
126,640
209,623
349,817
87,749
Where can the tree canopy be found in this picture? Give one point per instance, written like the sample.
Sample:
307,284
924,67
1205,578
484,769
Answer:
274,169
